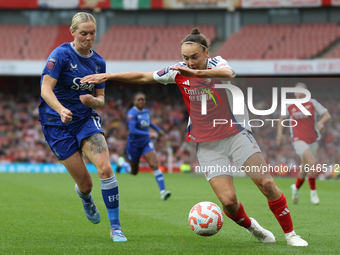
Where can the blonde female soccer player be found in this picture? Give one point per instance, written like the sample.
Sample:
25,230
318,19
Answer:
69,122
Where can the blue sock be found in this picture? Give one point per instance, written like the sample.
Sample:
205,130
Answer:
159,179
111,199
86,197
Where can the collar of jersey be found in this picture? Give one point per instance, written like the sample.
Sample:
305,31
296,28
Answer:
135,107
79,54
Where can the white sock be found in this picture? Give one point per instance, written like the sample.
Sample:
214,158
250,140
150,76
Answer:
287,234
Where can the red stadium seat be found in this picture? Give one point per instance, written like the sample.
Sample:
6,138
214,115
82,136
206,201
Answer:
272,41
148,42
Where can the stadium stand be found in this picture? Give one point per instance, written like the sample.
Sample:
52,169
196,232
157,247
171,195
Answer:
153,42
288,41
144,42
41,39
11,46
34,42
335,53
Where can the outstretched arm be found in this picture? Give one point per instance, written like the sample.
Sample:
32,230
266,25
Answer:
129,77
221,73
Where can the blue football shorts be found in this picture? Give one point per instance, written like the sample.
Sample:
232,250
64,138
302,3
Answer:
136,149
65,141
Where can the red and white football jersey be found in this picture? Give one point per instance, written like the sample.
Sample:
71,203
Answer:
219,103
306,129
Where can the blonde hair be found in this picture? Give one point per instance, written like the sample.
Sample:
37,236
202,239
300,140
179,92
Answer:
81,17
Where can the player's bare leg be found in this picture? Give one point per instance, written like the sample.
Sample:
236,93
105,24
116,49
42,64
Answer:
95,148
134,167
151,158
308,164
261,177
77,169
224,189
276,199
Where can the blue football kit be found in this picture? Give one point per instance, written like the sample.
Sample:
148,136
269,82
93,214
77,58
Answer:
68,66
139,142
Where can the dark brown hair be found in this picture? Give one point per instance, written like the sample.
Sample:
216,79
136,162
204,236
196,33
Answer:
132,103
197,37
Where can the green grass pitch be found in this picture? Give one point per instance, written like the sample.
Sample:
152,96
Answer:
41,214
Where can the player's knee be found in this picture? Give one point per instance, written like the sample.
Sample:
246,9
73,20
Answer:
105,171
230,205
86,188
311,162
154,166
268,187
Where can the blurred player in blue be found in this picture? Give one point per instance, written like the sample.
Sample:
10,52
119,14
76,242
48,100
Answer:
71,126
139,143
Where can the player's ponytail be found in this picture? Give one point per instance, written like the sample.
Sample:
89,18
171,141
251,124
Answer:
197,37
195,31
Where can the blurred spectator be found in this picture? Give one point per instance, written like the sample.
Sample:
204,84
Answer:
21,138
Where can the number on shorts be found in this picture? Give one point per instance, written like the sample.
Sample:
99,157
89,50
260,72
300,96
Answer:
96,121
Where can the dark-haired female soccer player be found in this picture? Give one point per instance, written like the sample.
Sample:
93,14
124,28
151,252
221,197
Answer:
139,142
217,145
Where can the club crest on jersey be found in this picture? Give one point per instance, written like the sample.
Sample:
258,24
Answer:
51,63
98,69
73,67
163,71
208,89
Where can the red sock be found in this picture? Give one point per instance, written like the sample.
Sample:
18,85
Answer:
299,182
280,210
311,181
240,218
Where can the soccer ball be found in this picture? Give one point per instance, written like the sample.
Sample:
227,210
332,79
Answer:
206,218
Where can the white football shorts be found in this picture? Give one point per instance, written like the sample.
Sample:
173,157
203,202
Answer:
301,146
215,157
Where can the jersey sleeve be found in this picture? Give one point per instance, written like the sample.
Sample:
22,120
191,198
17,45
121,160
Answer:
102,66
55,63
219,62
318,107
165,75
154,126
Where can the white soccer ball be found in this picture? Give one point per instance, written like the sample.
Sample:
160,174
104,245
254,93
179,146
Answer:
206,218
